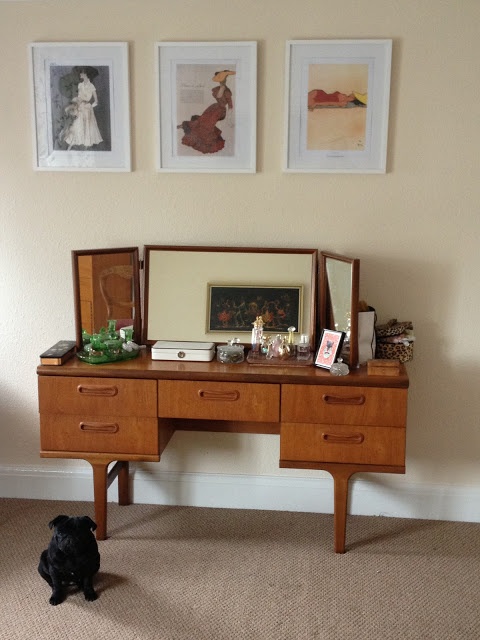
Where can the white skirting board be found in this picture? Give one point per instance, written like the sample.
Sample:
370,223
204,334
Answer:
370,494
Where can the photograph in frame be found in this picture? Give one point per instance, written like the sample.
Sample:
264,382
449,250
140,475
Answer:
337,104
234,308
80,104
206,106
329,349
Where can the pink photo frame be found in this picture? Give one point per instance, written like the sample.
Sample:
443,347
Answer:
329,349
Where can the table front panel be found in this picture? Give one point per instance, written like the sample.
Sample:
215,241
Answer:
99,434
342,444
219,400
344,405
98,396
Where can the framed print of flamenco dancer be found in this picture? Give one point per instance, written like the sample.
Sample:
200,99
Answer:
207,106
80,106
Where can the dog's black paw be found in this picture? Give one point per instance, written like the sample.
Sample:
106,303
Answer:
56,598
90,595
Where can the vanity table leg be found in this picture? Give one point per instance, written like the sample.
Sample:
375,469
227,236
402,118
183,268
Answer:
100,485
123,487
341,477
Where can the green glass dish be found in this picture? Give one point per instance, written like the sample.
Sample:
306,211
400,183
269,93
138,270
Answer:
85,356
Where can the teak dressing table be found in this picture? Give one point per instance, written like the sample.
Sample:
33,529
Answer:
128,411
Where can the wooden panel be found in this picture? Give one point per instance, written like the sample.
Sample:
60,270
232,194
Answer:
219,400
97,396
344,405
98,433
343,444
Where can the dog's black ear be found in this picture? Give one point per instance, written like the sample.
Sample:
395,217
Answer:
56,521
91,524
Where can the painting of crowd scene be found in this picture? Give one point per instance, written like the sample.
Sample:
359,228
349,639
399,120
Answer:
234,308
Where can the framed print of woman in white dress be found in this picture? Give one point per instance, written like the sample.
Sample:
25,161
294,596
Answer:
80,111
80,103
83,131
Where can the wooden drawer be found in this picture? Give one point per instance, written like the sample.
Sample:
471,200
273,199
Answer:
219,400
343,444
344,405
97,396
99,434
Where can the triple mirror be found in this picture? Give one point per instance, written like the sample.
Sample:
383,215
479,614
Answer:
212,293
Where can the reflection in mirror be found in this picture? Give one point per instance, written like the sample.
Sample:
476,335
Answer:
178,281
339,300
106,287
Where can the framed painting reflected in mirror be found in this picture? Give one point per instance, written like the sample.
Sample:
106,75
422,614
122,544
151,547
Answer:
234,308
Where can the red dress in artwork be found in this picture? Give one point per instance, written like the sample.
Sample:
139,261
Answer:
201,132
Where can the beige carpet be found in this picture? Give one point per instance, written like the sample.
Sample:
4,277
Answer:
177,573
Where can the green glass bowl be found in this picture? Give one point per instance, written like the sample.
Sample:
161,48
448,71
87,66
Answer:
85,356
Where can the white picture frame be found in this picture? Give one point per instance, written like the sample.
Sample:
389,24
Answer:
337,104
80,106
198,82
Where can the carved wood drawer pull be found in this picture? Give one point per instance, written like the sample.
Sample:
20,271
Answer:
86,390
338,438
99,427
352,400
225,396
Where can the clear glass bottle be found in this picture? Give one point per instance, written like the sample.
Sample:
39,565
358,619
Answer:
257,335
303,347
339,368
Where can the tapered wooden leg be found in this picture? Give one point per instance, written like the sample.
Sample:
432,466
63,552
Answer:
100,485
340,483
123,485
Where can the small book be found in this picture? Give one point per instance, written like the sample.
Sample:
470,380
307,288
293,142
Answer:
59,353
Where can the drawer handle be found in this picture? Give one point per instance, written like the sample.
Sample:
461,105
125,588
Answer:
99,427
96,390
338,438
225,396
352,400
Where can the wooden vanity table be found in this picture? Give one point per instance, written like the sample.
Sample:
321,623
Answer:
128,411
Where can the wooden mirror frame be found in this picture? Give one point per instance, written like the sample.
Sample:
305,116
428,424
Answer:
326,312
137,319
218,272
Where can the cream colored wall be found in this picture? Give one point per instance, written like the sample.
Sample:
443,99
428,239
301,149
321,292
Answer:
415,229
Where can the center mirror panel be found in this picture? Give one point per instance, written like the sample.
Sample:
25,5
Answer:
214,293
106,287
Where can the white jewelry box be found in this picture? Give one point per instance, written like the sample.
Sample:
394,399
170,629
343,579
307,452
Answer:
192,351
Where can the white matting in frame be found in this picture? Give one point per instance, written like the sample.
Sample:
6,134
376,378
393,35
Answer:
207,104
80,104
337,102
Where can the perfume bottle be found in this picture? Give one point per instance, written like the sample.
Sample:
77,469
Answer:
303,347
257,335
339,368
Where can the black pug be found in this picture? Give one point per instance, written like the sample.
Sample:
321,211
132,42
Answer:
71,557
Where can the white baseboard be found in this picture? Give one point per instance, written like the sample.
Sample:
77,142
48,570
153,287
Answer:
370,494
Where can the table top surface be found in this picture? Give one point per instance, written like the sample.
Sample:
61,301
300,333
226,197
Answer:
143,367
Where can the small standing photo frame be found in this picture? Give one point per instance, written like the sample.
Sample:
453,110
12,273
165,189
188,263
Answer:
330,347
